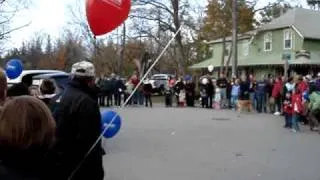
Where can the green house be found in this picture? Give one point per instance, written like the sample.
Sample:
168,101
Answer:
291,42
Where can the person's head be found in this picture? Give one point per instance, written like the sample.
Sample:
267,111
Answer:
278,79
222,75
84,73
47,87
27,80
34,92
243,78
19,89
251,77
25,122
318,75
290,80
3,86
237,81
300,78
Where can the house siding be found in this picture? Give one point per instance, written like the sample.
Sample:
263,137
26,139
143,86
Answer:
311,45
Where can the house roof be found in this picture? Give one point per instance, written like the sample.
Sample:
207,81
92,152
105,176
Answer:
272,59
305,21
246,35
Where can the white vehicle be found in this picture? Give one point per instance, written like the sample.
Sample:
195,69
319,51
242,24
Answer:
29,73
159,82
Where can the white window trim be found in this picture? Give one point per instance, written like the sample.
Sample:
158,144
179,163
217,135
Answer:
246,49
265,41
284,39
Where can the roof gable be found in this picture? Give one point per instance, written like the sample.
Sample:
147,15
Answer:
304,20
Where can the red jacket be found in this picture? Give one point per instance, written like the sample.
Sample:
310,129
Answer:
303,86
297,103
287,107
276,91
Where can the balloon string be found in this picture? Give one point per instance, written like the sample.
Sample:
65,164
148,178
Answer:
124,105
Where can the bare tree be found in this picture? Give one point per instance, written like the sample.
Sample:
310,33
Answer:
8,11
168,15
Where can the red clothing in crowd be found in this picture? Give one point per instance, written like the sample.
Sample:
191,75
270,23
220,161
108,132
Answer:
303,86
287,107
277,88
297,103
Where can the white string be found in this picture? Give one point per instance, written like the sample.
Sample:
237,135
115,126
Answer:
124,104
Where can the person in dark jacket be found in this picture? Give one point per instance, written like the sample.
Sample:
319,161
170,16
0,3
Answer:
260,94
147,91
78,128
244,96
177,88
119,89
190,93
19,89
210,92
26,140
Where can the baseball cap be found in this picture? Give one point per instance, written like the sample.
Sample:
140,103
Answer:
83,68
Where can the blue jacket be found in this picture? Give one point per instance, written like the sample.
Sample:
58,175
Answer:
235,90
261,87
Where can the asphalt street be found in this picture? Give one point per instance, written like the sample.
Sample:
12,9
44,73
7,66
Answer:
199,144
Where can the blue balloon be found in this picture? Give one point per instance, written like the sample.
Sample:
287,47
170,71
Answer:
14,68
114,127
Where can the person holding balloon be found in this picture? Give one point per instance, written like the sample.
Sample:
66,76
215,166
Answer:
78,127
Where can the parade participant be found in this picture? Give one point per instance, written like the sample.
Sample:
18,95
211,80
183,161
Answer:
210,90
78,127
3,87
27,132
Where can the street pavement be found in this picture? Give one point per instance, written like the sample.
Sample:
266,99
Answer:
199,144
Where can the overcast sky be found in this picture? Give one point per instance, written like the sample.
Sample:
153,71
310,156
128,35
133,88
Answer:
51,16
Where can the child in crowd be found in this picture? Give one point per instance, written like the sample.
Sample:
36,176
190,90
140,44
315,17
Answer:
288,109
235,94
297,109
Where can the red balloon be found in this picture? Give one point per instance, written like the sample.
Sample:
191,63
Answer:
106,15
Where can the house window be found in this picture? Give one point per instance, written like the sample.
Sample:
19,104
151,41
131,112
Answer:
268,42
287,39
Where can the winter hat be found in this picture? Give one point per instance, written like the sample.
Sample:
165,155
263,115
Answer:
83,69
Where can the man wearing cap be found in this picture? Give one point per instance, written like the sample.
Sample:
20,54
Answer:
78,127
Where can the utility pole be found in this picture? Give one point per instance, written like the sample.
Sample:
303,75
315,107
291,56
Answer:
123,46
234,37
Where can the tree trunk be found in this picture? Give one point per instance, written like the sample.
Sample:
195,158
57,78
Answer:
177,23
228,61
223,54
123,45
